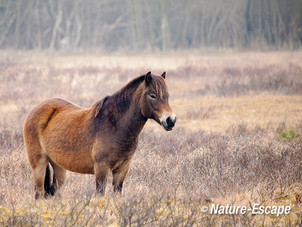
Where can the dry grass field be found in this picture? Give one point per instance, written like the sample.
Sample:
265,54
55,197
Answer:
237,141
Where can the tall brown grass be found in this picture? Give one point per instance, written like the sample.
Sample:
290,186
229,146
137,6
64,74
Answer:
237,141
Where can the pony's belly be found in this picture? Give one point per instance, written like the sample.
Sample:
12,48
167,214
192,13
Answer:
71,151
79,162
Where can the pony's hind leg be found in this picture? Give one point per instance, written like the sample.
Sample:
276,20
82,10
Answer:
59,177
39,173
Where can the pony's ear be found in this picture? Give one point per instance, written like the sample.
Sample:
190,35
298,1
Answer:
148,78
163,75
98,106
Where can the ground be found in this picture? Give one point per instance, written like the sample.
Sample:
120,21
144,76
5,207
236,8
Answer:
237,140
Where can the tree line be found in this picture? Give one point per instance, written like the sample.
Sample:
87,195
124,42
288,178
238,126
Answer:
145,25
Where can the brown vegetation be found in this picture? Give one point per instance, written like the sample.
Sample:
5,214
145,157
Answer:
237,140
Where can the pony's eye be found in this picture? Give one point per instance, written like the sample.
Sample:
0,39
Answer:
152,96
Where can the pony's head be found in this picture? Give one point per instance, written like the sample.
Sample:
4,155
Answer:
155,101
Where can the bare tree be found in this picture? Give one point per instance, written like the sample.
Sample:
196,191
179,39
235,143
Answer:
142,25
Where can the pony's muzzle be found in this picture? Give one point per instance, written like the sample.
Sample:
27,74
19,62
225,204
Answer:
169,122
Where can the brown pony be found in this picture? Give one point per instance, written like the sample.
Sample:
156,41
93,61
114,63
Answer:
94,140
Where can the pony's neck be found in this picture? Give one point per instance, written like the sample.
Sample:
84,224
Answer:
128,117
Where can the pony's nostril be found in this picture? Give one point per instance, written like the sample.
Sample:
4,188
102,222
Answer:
170,123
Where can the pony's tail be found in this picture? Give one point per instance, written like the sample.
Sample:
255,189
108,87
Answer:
49,188
47,182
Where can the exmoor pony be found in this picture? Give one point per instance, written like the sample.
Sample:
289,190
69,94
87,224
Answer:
94,140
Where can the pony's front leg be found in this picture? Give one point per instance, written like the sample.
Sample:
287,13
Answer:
119,175
101,172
